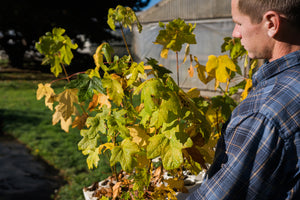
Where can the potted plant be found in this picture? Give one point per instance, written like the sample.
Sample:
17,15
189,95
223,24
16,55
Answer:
152,132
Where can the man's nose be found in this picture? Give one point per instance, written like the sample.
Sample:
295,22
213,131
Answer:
236,32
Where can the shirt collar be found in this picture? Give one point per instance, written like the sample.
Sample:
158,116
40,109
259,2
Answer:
270,69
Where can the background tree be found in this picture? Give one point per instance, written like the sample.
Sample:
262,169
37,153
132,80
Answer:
22,22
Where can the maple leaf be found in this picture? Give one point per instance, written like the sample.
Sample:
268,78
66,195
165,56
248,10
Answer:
57,49
174,35
67,100
124,154
218,66
169,146
139,136
57,116
48,92
116,122
158,70
99,99
193,93
247,88
196,156
65,109
86,86
88,146
114,89
79,121
203,76
117,190
177,184
105,147
134,70
92,159
103,49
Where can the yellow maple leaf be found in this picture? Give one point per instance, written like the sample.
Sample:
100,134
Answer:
48,92
214,116
99,99
64,124
201,70
106,146
193,93
174,183
142,161
218,66
66,108
164,53
139,136
246,90
98,57
67,100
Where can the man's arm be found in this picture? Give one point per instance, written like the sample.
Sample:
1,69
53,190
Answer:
252,162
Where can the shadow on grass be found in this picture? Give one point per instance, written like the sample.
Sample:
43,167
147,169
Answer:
24,176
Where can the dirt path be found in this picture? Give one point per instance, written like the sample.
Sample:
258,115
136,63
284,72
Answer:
23,176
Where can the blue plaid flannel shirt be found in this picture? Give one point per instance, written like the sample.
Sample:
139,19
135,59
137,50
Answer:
258,154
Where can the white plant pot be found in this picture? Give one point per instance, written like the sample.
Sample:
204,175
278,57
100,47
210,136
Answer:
192,182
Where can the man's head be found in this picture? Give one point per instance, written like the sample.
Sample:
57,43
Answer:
265,26
256,9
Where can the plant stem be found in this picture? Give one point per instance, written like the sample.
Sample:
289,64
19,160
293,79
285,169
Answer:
124,39
67,76
177,63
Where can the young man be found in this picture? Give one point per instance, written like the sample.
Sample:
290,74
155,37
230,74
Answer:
258,154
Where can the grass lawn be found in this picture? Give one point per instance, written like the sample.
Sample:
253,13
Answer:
30,121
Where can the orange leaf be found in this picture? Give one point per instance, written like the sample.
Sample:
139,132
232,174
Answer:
99,99
191,71
79,121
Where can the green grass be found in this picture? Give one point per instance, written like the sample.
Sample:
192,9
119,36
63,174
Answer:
31,122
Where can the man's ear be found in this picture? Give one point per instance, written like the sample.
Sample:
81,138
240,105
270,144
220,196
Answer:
272,22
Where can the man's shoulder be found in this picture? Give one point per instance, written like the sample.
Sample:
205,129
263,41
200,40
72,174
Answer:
278,99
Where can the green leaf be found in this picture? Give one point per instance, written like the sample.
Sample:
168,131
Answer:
174,35
93,159
116,123
58,31
123,15
169,145
86,86
134,71
56,48
168,149
55,66
168,110
152,91
159,71
88,146
114,89
125,155
120,65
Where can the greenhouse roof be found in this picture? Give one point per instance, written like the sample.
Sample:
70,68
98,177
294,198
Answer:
167,10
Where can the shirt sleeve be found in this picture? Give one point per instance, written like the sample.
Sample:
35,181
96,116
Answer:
250,163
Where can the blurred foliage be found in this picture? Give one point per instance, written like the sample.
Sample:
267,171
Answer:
22,22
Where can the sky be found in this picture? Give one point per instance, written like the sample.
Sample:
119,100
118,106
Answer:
152,3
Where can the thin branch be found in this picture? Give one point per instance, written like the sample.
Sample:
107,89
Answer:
68,77
177,63
66,74
127,48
